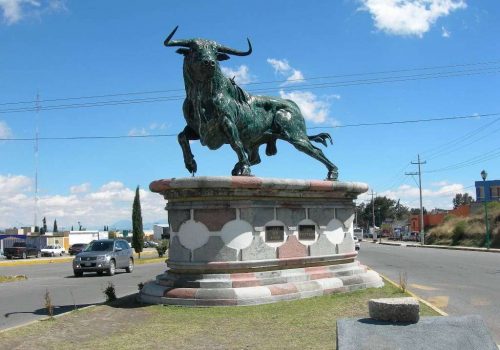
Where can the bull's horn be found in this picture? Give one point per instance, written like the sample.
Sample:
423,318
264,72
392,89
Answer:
230,51
168,42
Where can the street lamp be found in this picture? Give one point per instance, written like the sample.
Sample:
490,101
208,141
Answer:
484,174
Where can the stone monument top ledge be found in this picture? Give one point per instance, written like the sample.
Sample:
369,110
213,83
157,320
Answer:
257,183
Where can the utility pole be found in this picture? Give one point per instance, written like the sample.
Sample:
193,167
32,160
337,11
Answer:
419,173
37,110
373,215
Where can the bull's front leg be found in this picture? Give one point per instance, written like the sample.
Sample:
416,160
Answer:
233,137
183,138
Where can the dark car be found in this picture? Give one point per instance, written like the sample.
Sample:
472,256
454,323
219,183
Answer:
21,250
77,248
104,255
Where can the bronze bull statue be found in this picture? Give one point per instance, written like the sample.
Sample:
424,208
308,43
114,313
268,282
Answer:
218,111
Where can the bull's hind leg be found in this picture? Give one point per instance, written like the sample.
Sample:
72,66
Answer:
183,138
304,145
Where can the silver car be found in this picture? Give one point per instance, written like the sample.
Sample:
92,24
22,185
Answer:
104,255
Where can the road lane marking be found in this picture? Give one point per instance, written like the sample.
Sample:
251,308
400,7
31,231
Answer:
440,301
422,287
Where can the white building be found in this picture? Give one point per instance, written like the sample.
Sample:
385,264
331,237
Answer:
86,236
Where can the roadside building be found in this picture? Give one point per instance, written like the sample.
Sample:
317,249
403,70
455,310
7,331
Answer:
488,190
86,236
161,231
436,217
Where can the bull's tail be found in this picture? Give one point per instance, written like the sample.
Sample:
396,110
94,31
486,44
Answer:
321,138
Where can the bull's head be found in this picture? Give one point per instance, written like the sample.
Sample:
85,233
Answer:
201,56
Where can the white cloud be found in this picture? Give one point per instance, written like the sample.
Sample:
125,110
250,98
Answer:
439,195
283,68
112,202
85,187
296,77
138,132
313,109
409,17
5,131
14,11
241,74
280,66
445,33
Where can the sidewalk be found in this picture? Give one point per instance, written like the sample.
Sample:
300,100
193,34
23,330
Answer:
418,245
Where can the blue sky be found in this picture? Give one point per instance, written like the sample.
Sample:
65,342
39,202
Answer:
441,59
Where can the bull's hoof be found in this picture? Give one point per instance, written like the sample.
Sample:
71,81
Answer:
241,170
191,166
333,175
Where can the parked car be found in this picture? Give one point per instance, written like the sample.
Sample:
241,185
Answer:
53,250
104,255
150,244
77,248
21,250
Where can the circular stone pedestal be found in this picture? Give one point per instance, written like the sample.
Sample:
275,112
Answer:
250,240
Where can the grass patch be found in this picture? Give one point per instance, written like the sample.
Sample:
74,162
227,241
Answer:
148,260
5,279
301,324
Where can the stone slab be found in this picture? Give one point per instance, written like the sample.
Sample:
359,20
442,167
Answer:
290,216
177,252
430,333
214,250
292,249
257,216
322,246
394,309
258,250
321,216
176,217
214,219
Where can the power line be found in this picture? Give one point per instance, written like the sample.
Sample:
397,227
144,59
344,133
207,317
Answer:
281,88
309,128
262,83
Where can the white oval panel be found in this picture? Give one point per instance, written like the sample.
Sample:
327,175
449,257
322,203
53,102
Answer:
193,234
237,234
334,231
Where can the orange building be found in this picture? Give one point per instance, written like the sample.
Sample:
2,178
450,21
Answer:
435,219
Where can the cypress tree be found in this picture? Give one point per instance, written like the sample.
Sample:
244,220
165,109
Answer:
137,230
54,229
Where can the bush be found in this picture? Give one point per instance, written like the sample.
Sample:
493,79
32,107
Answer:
110,292
458,232
162,247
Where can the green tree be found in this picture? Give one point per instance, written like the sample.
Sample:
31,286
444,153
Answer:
137,230
384,208
462,199
54,228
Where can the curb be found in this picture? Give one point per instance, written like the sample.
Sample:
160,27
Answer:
467,249
46,318
435,308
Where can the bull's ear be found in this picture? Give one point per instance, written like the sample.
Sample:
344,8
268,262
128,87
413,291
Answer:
222,56
183,51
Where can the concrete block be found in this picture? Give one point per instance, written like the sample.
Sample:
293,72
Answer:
394,309
177,252
257,216
215,250
321,216
430,333
258,250
292,249
176,217
290,216
347,245
322,246
214,219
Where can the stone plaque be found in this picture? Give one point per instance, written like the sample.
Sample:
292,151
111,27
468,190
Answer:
275,233
307,232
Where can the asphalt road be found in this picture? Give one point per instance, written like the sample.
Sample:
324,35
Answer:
458,282
21,302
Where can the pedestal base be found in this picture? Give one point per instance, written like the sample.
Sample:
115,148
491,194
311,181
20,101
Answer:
243,241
